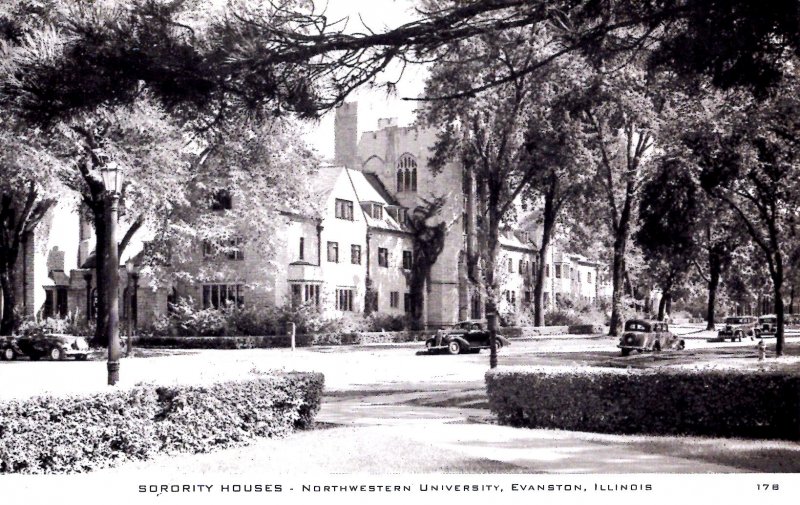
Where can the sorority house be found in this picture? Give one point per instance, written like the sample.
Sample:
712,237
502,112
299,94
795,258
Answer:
356,241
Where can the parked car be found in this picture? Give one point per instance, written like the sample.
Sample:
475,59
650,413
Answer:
768,325
54,346
464,337
642,335
738,327
9,349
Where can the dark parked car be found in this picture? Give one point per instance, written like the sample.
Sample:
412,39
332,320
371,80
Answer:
466,336
768,325
8,348
641,335
53,346
738,327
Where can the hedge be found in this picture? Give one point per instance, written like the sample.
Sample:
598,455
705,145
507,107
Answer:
271,341
753,404
81,433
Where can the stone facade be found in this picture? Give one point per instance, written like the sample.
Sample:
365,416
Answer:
351,252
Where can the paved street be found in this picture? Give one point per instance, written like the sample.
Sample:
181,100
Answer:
388,410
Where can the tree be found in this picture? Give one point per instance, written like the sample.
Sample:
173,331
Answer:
174,149
487,135
717,240
748,159
29,186
621,120
290,55
667,227
555,163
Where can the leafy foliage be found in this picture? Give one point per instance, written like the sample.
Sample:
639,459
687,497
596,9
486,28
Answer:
78,434
725,403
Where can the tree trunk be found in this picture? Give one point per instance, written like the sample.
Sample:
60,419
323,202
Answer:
662,306
668,306
777,284
618,268
779,313
538,289
493,239
715,271
547,232
9,301
617,286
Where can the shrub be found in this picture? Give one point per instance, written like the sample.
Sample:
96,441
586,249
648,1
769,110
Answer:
76,434
683,402
561,317
386,322
71,324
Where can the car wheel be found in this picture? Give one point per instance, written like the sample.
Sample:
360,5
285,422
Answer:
657,346
56,354
454,347
626,352
498,344
9,354
681,345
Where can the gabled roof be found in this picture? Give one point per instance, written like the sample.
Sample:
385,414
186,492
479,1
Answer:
366,191
509,239
376,183
323,180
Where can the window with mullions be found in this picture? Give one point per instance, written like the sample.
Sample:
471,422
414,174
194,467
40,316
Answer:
220,296
233,249
383,257
406,173
355,254
344,300
344,209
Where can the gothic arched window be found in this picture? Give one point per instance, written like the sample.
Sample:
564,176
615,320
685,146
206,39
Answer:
406,173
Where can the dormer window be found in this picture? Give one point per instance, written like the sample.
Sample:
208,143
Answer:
222,200
406,173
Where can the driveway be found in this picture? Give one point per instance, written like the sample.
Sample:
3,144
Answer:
387,410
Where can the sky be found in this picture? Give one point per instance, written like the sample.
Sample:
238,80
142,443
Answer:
378,15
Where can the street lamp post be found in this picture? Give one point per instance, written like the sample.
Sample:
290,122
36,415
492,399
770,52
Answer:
112,180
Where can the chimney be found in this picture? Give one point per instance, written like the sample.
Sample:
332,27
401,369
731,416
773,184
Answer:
55,260
345,128
386,122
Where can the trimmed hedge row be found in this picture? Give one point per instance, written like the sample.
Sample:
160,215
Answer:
272,341
78,434
754,404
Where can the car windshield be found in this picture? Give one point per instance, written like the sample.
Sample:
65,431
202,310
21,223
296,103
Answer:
736,320
769,319
636,326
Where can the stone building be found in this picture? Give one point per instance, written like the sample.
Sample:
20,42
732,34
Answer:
350,253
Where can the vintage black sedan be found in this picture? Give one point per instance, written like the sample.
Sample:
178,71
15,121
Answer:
641,335
464,337
54,346
768,325
738,327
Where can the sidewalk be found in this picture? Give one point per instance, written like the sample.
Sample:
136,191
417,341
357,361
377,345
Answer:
382,434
